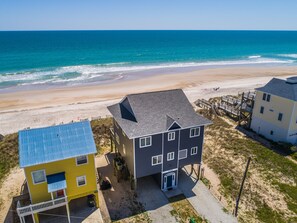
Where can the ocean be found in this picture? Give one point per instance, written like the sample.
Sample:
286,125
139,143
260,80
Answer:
38,59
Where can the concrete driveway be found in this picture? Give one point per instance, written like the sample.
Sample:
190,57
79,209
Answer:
201,199
154,201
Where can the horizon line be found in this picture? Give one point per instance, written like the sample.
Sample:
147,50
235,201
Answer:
49,30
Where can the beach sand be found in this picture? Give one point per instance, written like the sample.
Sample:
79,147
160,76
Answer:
39,108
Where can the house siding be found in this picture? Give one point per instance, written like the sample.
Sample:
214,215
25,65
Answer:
124,140
143,157
263,124
39,192
170,146
187,143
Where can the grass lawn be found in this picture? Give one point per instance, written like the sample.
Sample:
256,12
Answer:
183,210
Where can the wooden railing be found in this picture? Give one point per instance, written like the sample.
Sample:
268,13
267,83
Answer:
43,206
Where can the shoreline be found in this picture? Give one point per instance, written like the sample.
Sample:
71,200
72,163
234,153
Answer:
37,108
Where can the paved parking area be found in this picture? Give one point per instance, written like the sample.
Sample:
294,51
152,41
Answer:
154,201
120,202
201,199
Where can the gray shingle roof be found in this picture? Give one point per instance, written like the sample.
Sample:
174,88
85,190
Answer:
153,112
282,88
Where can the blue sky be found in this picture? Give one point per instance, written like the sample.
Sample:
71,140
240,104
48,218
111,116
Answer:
148,14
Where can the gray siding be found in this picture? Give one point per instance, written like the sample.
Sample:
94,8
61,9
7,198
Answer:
124,140
170,146
187,143
143,157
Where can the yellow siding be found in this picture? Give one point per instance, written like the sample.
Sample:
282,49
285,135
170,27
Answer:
39,192
273,108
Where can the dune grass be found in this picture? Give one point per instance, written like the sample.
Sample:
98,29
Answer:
276,170
9,157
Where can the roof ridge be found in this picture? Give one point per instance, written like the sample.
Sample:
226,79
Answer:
151,92
52,126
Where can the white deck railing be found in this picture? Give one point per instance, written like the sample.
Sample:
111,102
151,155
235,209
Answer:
43,206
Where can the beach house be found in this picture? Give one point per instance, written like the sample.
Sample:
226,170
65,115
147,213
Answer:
275,110
157,133
59,166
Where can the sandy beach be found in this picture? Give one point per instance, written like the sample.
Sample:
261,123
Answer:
19,110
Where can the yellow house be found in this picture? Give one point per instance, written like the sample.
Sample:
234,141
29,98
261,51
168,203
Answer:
59,165
275,110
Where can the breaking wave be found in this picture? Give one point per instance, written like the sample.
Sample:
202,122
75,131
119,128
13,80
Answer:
74,75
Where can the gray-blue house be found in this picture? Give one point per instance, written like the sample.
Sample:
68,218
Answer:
157,133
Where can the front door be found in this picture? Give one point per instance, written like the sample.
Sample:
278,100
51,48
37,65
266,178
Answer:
169,181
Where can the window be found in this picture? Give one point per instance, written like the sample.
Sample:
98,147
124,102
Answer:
262,110
194,132
117,138
271,132
268,97
280,116
123,133
194,150
264,97
81,181
145,141
156,160
81,160
171,136
182,154
124,149
170,156
38,176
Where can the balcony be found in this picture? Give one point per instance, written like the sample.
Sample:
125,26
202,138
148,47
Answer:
39,207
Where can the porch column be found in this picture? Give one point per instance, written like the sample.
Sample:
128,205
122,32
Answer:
33,218
68,212
52,196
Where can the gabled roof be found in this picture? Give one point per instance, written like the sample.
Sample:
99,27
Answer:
282,88
155,112
54,143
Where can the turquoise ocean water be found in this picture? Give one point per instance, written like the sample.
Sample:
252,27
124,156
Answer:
55,58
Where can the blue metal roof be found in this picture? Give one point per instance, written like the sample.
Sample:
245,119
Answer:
56,182
44,145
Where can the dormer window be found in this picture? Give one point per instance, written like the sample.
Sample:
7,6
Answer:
145,141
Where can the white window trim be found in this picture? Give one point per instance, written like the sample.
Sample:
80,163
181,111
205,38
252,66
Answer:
33,177
183,157
145,141
82,163
168,156
157,159
84,176
194,135
194,148
171,133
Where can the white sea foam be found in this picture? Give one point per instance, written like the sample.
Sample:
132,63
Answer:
254,57
294,56
103,72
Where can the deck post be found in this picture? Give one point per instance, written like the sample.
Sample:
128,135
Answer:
198,171
68,212
33,218
111,142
